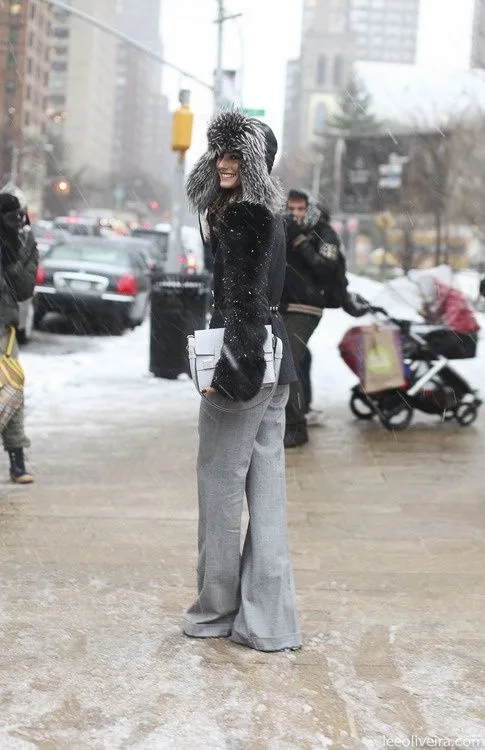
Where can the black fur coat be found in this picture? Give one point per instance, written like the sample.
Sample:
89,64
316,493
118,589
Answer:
242,240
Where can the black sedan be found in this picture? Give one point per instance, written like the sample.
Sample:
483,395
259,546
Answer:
103,281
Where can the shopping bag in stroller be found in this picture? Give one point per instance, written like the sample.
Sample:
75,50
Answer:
374,353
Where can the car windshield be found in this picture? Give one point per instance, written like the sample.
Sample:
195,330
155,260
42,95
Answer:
103,253
160,238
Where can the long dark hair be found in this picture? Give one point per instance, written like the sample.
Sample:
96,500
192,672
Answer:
217,207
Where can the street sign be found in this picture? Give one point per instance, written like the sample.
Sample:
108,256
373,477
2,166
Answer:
254,112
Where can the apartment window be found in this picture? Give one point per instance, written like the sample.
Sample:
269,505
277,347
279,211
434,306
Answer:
14,35
57,82
336,23
10,87
31,39
12,60
58,101
46,78
60,51
61,32
27,119
30,65
321,69
28,93
59,66
33,9
338,70
320,119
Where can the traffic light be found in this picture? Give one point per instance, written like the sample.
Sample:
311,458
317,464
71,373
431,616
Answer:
182,122
154,205
62,187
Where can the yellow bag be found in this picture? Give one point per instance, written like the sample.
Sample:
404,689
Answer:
12,381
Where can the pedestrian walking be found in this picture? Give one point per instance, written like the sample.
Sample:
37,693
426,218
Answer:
18,266
315,279
250,596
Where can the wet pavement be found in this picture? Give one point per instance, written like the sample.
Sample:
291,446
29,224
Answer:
98,563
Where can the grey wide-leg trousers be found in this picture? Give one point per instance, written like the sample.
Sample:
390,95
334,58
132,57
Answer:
250,596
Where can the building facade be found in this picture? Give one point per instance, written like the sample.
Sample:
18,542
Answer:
140,154
385,30
25,28
478,36
335,35
82,86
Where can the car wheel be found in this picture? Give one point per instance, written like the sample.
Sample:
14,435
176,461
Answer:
39,315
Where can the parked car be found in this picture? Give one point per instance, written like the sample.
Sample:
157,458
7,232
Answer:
147,247
46,236
160,235
105,281
84,226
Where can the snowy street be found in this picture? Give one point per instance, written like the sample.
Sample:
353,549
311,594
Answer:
98,563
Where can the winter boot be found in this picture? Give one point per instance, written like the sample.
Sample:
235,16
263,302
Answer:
18,471
296,435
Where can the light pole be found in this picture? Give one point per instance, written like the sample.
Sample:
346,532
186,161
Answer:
218,73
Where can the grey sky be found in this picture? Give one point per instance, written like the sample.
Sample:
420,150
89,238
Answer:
271,37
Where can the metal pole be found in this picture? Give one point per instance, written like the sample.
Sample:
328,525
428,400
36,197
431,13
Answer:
176,244
124,38
218,71
317,176
339,152
14,171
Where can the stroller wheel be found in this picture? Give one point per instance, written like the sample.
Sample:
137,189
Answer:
466,414
359,407
398,419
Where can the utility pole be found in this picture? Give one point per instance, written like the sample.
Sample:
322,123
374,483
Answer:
181,140
219,72
14,169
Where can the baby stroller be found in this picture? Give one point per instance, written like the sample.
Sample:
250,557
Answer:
431,384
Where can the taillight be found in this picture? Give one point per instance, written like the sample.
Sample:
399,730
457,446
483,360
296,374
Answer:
40,276
127,285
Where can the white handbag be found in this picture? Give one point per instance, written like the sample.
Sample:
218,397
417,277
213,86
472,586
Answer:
204,349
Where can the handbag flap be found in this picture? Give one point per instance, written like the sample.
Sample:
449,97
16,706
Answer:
208,341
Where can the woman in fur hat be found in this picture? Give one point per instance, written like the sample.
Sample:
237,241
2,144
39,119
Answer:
249,598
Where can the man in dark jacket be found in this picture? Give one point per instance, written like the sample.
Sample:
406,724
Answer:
18,266
315,279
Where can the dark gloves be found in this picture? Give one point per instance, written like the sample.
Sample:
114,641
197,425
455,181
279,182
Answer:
293,229
356,305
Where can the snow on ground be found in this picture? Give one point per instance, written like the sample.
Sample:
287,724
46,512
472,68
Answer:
109,377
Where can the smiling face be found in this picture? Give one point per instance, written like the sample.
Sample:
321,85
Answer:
228,168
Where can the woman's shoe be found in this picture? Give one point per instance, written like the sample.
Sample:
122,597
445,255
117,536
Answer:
18,471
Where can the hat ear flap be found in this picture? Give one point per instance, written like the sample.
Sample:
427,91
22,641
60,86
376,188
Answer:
202,183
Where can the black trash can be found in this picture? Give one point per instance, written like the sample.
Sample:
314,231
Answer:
179,306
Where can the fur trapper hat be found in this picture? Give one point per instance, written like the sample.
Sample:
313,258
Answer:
257,146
